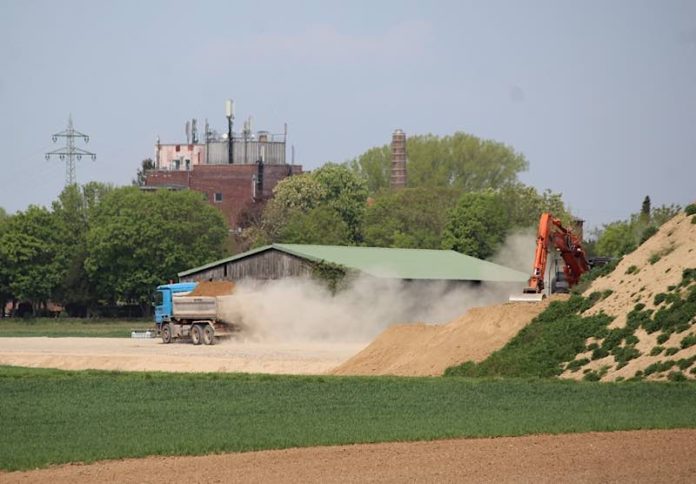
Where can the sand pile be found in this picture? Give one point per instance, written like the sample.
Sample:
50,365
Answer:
650,270
427,350
213,288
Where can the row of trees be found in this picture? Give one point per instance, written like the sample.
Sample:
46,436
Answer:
624,236
99,245
463,194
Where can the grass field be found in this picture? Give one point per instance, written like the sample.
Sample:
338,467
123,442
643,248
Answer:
52,416
63,327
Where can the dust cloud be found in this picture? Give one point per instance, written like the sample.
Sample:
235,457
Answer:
304,310
518,250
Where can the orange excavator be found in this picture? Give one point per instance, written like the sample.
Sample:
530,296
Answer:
552,233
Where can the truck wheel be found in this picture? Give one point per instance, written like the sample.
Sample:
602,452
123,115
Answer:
166,334
209,335
196,335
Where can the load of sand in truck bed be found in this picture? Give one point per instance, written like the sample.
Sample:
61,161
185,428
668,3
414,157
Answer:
213,288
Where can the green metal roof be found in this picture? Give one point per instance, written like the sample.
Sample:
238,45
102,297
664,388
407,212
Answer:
392,263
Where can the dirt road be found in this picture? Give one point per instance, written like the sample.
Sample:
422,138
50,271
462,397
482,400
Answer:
642,456
151,355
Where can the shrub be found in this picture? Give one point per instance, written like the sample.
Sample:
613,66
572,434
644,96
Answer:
591,376
676,376
693,371
575,365
658,367
685,363
693,219
637,318
659,298
671,350
592,347
599,353
689,340
647,233
662,338
631,340
676,314
639,307
625,354
690,209
632,270
654,258
688,275
656,350
615,337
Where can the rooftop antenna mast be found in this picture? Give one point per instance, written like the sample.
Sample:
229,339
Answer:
69,153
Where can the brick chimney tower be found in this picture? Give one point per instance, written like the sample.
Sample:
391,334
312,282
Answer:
398,164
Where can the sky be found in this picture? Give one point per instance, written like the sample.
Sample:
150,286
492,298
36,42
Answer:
599,96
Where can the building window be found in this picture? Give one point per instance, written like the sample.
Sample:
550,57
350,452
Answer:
217,197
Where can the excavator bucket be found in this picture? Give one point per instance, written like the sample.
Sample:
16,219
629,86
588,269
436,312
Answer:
527,297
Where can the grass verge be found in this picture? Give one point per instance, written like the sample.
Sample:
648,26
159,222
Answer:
53,416
59,327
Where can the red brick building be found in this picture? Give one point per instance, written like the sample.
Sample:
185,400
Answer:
230,188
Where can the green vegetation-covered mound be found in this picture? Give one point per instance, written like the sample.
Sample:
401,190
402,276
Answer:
540,349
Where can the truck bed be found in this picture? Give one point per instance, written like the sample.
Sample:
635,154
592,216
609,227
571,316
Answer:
194,307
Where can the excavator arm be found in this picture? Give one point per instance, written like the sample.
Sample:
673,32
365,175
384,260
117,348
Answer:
551,232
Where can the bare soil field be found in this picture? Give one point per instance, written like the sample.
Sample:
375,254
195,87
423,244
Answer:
152,355
639,456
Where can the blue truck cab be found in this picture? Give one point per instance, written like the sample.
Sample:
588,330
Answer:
163,300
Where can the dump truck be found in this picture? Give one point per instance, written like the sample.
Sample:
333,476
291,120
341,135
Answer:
178,314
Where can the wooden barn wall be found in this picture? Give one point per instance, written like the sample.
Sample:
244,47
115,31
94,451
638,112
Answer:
271,264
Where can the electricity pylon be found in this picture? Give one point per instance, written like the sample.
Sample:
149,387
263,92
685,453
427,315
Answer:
69,153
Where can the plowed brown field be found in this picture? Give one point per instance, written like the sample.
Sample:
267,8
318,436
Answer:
642,456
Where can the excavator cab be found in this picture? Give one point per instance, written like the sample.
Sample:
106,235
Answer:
567,245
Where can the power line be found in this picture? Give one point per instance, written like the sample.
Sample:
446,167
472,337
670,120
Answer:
69,153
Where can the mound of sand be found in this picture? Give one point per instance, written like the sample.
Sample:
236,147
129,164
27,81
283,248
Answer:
427,350
213,288
649,270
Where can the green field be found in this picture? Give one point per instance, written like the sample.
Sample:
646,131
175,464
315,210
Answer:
52,416
64,327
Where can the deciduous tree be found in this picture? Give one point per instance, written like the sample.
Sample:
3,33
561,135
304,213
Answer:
409,218
460,160
476,226
138,240
31,255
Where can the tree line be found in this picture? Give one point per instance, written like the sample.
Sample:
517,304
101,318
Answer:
463,193
100,246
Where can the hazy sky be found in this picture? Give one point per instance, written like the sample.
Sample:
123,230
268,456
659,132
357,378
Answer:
600,96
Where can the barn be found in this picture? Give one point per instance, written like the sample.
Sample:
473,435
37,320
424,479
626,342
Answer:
280,261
